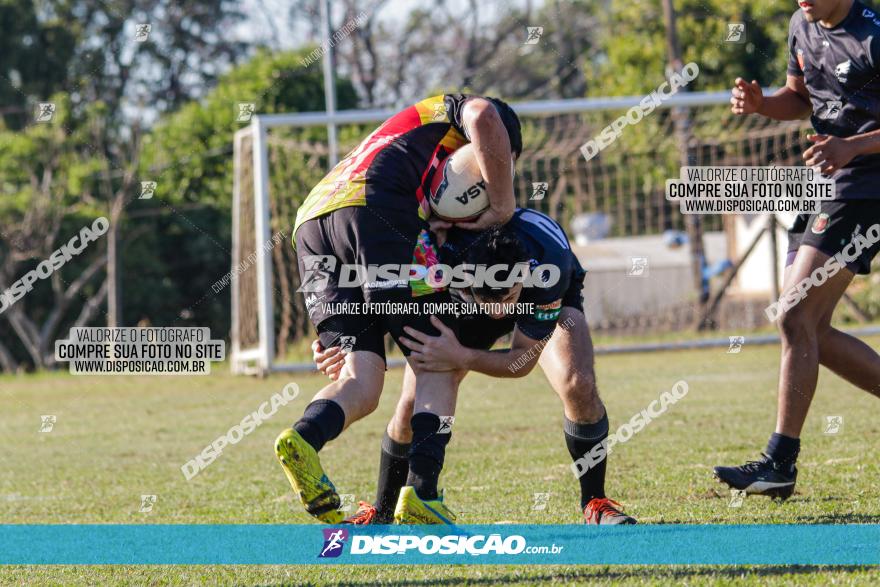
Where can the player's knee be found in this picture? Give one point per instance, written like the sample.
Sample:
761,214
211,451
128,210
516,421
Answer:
370,399
797,324
580,392
361,394
582,384
370,404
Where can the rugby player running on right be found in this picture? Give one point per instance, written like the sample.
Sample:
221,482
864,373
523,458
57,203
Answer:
833,75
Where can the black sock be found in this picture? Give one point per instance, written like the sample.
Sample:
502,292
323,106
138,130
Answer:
393,470
322,421
783,449
426,454
580,439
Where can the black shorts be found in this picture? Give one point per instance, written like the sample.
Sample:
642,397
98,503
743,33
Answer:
834,227
479,331
350,307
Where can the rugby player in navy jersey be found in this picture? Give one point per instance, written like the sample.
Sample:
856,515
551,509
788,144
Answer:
833,77
549,328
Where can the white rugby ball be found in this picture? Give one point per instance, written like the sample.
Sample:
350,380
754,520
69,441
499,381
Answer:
458,191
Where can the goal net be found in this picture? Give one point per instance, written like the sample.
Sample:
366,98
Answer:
612,204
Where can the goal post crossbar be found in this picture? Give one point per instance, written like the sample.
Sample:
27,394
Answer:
533,108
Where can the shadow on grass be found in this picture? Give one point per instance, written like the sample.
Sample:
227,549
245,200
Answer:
838,519
597,572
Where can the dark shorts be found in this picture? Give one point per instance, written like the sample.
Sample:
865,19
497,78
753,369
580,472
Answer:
479,331
337,302
834,227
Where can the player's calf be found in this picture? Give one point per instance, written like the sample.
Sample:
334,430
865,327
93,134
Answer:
584,442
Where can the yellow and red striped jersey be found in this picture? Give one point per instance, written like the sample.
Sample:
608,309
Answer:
393,166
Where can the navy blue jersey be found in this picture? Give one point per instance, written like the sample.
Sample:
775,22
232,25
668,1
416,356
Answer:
841,70
547,244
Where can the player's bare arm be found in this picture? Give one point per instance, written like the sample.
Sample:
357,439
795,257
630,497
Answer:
791,102
865,144
446,353
831,153
493,151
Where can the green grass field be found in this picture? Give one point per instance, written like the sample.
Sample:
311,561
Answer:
117,438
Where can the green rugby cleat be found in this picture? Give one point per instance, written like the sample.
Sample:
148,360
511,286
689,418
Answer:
303,469
411,509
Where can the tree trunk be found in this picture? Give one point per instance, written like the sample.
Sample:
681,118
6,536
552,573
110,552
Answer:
682,122
7,361
114,264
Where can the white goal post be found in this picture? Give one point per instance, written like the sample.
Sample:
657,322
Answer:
259,294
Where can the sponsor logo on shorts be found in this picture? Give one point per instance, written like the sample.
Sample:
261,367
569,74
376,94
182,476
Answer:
820,224
380,284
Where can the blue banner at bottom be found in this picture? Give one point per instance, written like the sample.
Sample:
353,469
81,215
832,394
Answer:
480,544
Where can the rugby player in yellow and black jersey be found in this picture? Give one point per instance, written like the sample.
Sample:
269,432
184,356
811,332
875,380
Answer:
372,210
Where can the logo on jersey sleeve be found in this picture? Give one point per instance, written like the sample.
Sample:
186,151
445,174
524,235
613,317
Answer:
549,311
870,15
